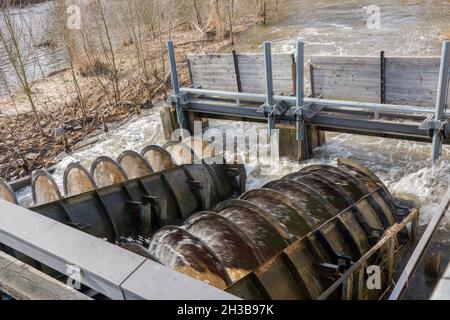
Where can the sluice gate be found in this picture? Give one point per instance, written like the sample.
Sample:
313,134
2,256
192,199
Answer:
391,97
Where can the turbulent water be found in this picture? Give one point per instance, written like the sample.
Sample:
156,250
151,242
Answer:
408,28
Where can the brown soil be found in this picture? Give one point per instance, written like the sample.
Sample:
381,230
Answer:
23,149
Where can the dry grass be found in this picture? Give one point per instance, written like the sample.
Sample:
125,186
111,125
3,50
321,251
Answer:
93,68
59,105
23,150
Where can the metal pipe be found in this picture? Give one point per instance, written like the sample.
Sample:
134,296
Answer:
420,248
337,104
441,99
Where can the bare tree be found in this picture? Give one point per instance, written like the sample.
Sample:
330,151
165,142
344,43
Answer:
198,16
10,39
4,80
230,13
107,47
216,25
137,19
261,11
70,44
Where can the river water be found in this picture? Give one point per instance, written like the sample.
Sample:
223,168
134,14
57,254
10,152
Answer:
408,28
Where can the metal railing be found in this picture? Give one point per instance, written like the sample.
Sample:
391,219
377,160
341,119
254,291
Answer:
300,105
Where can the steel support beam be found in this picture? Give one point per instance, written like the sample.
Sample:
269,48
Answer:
300,95
441,101
269,106
328,121
177,95
332,104
104,267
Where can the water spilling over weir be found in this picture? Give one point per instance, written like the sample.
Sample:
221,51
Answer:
309,235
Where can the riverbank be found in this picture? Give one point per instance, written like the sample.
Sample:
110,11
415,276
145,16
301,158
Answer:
23,149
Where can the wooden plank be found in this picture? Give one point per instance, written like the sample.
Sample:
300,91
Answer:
409,80
347,78
412,80
252,73
416,61
358,60
214,71
22,282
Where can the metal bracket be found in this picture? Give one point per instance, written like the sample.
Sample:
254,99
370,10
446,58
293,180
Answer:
432,125
298,113
279,109
180,99
310,111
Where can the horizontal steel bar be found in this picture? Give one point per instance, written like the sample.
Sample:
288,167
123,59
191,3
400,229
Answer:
324,120
103,267
382,127
261,98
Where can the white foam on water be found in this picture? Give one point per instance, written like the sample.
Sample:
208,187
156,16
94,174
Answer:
137,133
404,166
330,28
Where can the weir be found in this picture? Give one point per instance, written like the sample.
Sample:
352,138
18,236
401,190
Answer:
391,97
138,226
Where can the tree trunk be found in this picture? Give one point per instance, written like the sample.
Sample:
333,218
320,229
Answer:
197,13
261,11
216,25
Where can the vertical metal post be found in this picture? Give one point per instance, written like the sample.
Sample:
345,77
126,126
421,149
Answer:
173,68
269,84
441,99
300,91
300,85
176,86
382,83
268,72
